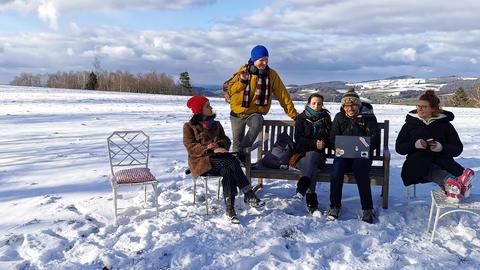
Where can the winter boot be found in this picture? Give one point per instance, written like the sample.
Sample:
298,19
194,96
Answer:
453,190
465,181
368,216
333,213
302,185
251,199
312,203
231,215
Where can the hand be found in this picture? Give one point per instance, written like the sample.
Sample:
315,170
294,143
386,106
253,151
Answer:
421,144
212,146
320,144
435,146
220,150
244,73
431,143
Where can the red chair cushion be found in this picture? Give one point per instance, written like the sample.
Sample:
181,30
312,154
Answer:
133,175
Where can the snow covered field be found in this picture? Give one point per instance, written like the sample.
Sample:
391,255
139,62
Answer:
56,202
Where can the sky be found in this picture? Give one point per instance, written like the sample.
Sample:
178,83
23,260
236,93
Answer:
308,41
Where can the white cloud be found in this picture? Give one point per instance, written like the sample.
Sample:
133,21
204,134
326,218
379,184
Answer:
355,17
48,13
117,51
50,10
403,55
211,56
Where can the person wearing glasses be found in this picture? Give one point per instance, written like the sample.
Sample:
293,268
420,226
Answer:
354,119
430,142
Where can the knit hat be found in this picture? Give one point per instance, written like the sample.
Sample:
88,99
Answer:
258,52
196,103
350,97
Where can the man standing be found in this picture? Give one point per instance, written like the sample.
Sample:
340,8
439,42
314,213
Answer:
250,91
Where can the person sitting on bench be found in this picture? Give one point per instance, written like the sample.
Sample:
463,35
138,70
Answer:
312,128
207,147
354,119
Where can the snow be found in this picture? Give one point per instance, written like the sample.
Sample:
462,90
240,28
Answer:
57,213
394,87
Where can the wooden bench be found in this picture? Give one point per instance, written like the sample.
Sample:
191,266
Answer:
379,173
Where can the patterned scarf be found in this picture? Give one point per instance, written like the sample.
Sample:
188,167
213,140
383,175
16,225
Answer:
262,91
316,118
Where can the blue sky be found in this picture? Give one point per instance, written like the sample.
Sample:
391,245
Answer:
308,41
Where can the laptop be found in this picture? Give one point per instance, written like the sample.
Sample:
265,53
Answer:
352,146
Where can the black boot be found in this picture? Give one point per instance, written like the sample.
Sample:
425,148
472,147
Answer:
368,216
251,199
303,184
230,210
312,203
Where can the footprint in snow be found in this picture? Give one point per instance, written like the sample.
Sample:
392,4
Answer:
48,199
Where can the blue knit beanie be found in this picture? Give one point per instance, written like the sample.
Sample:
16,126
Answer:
258,52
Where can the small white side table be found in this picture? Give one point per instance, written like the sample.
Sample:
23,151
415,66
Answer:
439,201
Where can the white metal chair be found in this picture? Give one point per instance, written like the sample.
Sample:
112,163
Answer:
409,196
205,177
128,154
470,205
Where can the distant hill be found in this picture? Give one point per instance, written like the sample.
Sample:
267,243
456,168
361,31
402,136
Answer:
398,89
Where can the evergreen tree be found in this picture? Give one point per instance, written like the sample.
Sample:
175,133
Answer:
459,99
185,83
91,82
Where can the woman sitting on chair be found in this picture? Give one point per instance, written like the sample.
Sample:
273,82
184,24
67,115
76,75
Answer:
312,128
430,142
207,147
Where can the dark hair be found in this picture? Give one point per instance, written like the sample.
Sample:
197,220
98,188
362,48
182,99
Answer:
317,95
199,117
432,100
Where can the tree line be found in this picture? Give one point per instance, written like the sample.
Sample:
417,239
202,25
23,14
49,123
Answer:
123,81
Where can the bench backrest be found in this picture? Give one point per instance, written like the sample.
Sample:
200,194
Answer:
271,129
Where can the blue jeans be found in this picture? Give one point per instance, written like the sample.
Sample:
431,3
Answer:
361,169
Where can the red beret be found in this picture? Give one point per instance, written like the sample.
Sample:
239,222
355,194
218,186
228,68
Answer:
196,103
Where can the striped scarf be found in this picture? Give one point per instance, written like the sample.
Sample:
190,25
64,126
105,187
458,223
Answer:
262,91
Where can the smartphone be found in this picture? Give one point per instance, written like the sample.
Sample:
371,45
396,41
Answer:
431,142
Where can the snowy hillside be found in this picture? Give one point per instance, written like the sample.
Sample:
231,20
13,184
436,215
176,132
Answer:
56,202
394,87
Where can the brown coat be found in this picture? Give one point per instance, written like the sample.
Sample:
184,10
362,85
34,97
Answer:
196,138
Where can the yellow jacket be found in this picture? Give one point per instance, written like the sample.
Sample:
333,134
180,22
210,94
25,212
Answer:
236,89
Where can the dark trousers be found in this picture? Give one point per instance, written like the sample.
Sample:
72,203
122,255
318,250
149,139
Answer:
308,165
229,168
361,169
439,175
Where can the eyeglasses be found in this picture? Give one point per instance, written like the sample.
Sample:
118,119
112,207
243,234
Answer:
423,107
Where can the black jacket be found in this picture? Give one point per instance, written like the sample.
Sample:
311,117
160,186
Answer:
418,163
363,124
304,137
